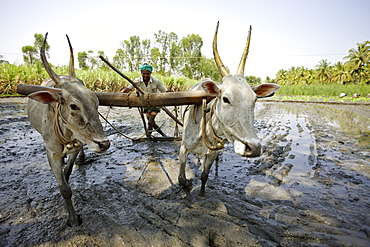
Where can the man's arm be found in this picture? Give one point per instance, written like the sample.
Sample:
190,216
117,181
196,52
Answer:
125,90
161,87
128,88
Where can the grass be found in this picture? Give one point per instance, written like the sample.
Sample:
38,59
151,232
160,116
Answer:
321,98
324,90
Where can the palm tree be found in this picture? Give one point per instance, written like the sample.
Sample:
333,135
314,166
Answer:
323,70
340,73
281,77
358,58
309,76
299,75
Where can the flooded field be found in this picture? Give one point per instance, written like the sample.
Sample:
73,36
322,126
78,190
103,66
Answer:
310,187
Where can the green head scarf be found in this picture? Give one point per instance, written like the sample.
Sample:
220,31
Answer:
146,67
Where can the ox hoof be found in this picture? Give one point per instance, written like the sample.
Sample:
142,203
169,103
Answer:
201,193
75,222
80,160
185,185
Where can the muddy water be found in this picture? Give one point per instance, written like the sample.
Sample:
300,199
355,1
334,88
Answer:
309,188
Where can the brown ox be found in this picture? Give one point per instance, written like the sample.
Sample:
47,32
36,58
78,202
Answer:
228,117
66,117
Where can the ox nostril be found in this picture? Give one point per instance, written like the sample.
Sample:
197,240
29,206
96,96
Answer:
104,145
252,150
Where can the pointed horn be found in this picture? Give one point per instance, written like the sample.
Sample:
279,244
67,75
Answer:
47,67
241,67
220,66
72,74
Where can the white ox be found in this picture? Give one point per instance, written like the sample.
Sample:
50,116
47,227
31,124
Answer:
66,117
228,117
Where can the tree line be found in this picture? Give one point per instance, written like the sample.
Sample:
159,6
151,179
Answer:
355,69
168,54
171,55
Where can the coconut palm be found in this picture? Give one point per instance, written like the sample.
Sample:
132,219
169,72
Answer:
340,73
323,71
358,59
309,76
281,77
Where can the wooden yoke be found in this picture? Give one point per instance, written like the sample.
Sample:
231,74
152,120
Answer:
132,100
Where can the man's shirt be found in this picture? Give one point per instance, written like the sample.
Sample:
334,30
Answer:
154,85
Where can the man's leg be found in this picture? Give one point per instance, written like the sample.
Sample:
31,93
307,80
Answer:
152,125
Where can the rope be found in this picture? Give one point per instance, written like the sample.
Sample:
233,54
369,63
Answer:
131,138
229,132
68,143
211,125
118,131
72,126
220,143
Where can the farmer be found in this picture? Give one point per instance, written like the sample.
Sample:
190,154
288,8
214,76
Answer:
148,84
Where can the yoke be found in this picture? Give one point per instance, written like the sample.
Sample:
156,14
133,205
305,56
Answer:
133,100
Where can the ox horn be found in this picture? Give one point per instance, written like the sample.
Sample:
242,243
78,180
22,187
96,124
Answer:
221,68
47,67
241,67
72,74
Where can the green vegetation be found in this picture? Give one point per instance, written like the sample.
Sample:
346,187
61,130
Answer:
98,80
180,64
31,54
323,98
355,70
169,55
324,90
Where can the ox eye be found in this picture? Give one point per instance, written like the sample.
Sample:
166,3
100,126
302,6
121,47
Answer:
226,100
74,107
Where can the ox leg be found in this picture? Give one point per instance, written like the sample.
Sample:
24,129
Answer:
71,160
81,158
207,164
55,162
185,184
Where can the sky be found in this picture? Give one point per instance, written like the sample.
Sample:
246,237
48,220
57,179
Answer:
285,33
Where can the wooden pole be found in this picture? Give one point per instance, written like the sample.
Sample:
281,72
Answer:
171,115
121,74
132,100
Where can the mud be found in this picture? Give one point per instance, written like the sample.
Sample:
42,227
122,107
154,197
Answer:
309,188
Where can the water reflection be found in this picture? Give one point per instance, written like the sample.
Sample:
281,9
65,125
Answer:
297,139
351,119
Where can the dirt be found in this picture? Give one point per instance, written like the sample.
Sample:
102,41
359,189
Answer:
310,187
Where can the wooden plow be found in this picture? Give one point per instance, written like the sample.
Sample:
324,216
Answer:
139,100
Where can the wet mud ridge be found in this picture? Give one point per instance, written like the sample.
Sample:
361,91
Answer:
310,187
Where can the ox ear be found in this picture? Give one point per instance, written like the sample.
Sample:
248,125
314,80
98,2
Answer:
265,90
210,87
45,97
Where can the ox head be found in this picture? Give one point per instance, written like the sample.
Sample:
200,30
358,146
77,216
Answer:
235,104
76,104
